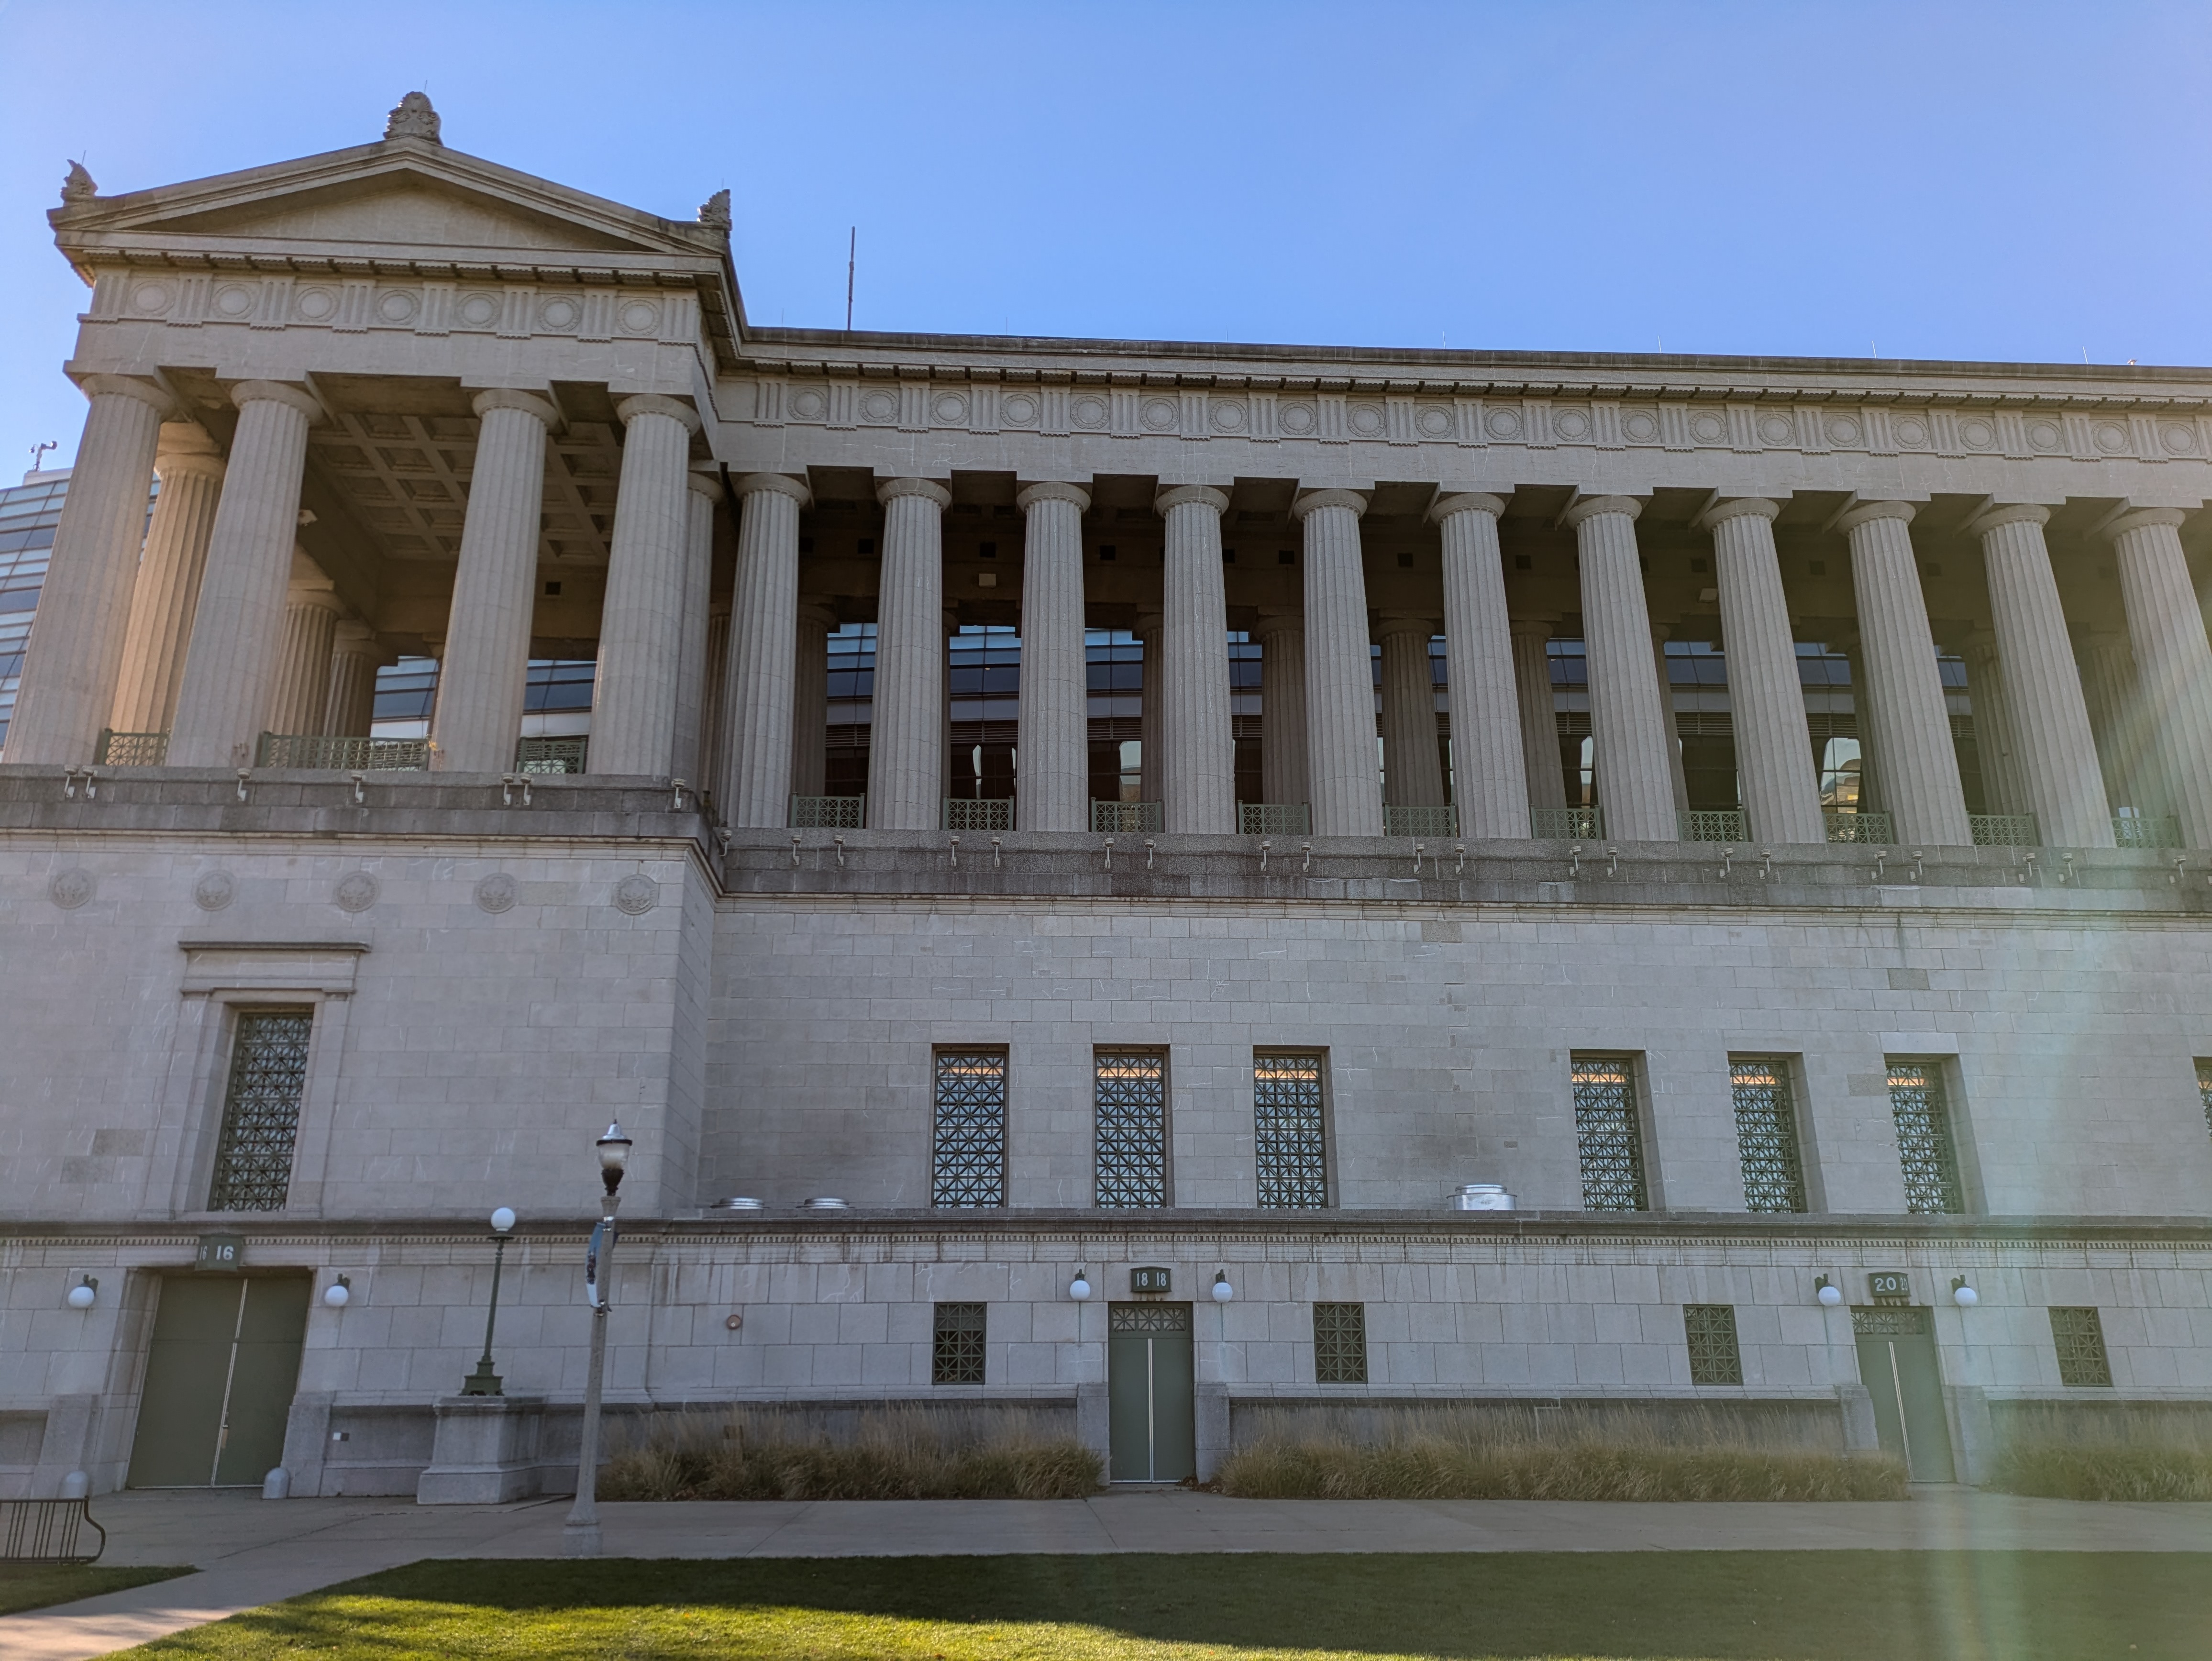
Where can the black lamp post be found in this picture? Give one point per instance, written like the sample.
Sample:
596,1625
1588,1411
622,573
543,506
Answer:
483,1381
580,1535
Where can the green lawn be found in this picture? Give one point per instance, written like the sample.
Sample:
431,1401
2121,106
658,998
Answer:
1820,1606
35,1586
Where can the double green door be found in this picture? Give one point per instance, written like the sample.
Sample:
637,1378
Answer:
1149,1389
219,1380
1898,1365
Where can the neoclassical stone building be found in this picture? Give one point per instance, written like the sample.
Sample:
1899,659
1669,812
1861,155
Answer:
1160,816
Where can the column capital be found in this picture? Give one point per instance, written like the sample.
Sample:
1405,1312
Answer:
355,639
815,613
1534,625
1053,490
1736,508
2142,518
782,484
1313,500
1277,621
117,385
892,489
1865,513
1590,506
2016,513
644,403
280,392
185,450
515,397
702,481
1405,622
315,594
1466,502
1179,495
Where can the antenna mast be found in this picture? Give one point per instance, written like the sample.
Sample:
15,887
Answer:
852,254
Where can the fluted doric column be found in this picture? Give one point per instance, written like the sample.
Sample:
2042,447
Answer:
301,691
2108,691
1151,752
1678,775
688,760
1997,751
1283,707
2174,661
1198,785
1628,724
2043,690
713,693
906,741
1539,719
1766,698
1341,755
1413,773
758,693
642,617
483,676
1489,766
238,624
1053,739
1918,766
168,583
76,645
809,702
349,701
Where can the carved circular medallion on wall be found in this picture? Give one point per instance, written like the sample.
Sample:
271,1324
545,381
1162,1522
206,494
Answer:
356,892
1707,428
478,309
1842,430
878,405
1227,415
559,313
1777,429
149,299
1640,427
808,405
235,300
1296,417
1434,421
72,888
315,304
1909,429
2178,439
214,890
1570,423
951,408
1365,419
1503,423
1159,415
640,317
1977,435
2112,438
1088,412
497,893
1017,409
2044,435
397,306
637,895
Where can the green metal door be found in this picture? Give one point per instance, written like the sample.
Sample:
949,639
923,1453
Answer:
1149,1382
219,1380
1897,1363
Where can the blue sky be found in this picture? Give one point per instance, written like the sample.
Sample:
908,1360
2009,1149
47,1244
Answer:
2013,181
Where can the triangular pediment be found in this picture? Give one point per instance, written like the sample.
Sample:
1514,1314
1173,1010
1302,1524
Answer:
410,208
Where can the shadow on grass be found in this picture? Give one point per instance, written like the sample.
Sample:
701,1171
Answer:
1773,1606
41,1586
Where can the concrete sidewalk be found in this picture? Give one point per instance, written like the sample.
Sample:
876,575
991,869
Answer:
251,1552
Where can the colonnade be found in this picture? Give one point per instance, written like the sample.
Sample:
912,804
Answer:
214,637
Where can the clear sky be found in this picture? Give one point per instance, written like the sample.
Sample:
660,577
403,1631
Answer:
2014,181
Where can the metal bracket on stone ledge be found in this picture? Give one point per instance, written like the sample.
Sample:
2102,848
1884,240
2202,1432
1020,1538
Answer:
1265,845
1306,848
794,854
839,841
2180,867
1459,869
1109,852
2065,869
994,853
1917,857
1767,865
1728,857
681,786
508,781
244,774
1417,857
956,852
1612,861
1880,855
1149,850
2027,866
1574,860
71,774
359,794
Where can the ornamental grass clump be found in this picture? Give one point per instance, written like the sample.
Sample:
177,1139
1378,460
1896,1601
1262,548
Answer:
899,1454
1505,1455
2115,1456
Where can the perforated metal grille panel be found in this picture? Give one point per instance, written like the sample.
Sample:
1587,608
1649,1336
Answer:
261,1111
1340,1343
1606,1133
1766,1134
1923,1138
2204,1091
1148,1317
2079,1335
1286,1106
1132,1087
1715,1358
967,1152
1904,1321
956,1350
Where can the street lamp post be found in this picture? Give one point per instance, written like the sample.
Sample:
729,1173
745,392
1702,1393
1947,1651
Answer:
483,1381
580,1535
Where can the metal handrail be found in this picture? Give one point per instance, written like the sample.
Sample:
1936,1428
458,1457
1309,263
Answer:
1401,820
1274,819
967,813
321,752
131,749
1868,829
2146,831
1125,818
563,755
1566,823
1710,824
2004,830
828,812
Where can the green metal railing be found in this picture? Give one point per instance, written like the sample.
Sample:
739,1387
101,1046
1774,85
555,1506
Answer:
1566,823
131,749
316,752
1124,819
1871,829
551,755
828,812
1400,821
965,813
2146,831
2004,830
1710,824
1274,819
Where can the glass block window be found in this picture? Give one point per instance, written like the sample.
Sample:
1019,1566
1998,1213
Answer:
1766,1134
1607,1132
1131,1095
261,1110
1715,1358
968,1149
2079,1335
2204,1091
1923,1138
957,1347
1340,1343
1286,1107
